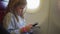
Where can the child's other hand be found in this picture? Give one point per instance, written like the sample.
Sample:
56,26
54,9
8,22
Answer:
26,28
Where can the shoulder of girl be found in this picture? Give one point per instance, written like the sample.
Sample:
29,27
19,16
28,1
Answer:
9,14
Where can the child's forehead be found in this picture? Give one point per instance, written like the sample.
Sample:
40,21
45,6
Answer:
21,6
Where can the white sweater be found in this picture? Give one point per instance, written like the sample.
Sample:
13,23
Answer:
11,24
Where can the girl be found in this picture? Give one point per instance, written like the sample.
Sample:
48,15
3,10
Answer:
14,19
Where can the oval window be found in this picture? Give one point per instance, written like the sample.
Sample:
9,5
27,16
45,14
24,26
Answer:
33,4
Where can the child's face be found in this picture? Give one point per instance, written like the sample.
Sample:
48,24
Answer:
19,9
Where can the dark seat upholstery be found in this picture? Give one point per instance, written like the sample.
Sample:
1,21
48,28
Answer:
2,13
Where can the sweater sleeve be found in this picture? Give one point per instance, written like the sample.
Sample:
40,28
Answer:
9,25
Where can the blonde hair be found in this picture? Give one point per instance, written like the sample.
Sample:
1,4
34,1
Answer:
13,4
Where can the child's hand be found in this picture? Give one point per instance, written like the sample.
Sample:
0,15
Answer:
26,28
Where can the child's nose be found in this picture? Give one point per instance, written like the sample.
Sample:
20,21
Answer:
21,9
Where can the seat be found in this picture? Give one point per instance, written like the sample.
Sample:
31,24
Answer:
2,13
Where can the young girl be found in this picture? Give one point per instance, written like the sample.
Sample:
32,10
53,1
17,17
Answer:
14,19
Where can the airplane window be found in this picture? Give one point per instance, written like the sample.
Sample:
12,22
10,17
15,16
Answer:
32,4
